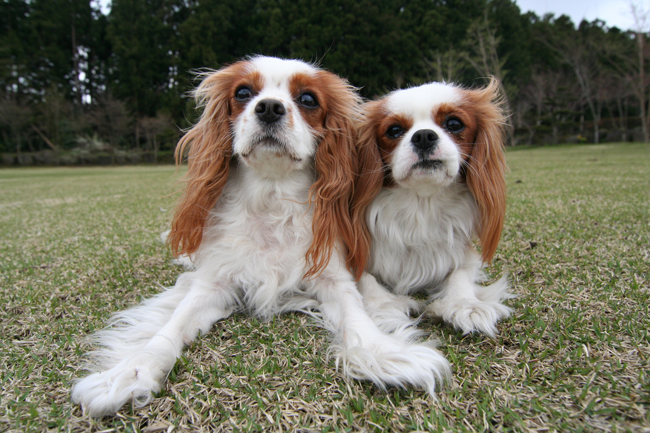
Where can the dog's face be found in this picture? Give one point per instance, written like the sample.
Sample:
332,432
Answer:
423,133
429,137
275,117
278,111
426,134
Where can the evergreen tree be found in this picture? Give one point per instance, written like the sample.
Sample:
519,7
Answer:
141,36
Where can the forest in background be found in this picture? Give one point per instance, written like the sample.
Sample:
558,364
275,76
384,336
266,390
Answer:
72,78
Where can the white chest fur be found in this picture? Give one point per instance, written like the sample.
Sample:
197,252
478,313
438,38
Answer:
257,237
418,239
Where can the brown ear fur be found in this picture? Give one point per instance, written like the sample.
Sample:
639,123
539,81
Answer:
369,175
209,147
335,161
486,173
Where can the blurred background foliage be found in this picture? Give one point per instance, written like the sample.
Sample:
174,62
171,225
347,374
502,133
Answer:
74,79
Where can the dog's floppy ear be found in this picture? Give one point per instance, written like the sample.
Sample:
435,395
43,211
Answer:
369,177
209,150
486,173
335,163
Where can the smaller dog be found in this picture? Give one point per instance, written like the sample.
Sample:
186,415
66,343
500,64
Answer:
435,156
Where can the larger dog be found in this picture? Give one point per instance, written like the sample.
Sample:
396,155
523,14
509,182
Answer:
265,217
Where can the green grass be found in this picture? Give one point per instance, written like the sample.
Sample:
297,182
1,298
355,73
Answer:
79,244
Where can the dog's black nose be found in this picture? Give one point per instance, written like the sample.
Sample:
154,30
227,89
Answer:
269,110
425,140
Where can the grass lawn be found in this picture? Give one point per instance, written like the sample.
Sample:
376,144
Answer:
77,244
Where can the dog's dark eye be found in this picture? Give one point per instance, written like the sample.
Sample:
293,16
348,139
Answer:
243,93
308,100
454,125
394,131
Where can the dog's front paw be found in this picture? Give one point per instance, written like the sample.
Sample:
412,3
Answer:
469,315
393,314
135,378
403,304
389,361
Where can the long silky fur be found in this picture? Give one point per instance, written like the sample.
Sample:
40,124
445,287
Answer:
422,233
266,232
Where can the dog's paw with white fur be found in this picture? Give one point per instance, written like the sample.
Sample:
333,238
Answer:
134,379
389,311
389,361
469,315
392,314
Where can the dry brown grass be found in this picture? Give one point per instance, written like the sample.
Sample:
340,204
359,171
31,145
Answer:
79,244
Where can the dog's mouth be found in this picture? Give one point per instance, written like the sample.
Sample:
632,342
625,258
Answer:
427,164
273,144
269,140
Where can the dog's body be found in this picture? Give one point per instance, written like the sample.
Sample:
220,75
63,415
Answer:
435,153
265,217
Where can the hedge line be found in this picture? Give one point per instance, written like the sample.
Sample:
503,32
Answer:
49,158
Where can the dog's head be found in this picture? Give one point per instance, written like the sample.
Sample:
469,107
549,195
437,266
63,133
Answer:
429,137
277,117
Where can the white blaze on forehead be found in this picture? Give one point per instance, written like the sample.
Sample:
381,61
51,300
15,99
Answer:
418,102
276,71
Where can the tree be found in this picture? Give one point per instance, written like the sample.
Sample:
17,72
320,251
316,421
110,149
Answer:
110,119
15,117
55,122
446,66
60,44
152,128
580,51
641,85
140,32
14,31
482,44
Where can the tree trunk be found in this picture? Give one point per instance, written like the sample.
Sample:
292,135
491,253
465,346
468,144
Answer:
137,135
44,137
622,117
75,64
582,123
645,119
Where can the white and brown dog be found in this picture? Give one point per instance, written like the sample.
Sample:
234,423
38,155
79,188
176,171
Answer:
265,218
434,154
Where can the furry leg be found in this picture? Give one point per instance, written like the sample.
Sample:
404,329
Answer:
364,352
135,369
390,312
469,306
130,330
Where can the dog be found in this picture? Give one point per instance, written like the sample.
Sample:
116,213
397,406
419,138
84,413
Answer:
433,155
265,219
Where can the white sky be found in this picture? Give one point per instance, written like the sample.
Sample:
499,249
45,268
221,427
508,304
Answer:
613,12
104,5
